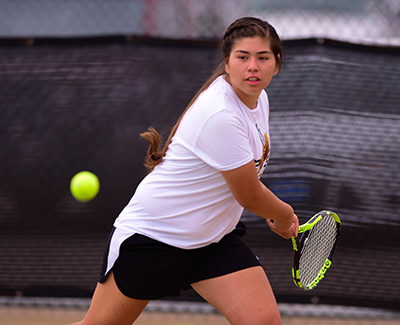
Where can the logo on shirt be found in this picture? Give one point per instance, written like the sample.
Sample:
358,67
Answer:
262,163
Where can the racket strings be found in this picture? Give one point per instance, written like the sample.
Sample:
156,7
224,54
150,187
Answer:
316,249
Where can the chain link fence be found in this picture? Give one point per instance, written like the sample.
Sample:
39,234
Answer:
359,21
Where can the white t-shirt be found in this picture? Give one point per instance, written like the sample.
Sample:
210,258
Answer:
185,201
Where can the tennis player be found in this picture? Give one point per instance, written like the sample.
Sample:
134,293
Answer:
181,228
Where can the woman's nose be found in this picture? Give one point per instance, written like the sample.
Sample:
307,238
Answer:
253,64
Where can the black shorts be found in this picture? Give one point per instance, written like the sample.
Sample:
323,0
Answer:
148,269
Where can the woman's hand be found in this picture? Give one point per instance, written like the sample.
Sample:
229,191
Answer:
282,230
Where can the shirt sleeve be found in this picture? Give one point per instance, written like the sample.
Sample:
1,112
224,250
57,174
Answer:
223,142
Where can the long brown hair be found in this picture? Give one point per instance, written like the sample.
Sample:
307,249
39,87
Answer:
241,28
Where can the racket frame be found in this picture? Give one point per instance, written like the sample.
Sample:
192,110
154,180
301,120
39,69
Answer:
299,241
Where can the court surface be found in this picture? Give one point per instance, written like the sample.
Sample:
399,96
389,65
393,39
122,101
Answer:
63,316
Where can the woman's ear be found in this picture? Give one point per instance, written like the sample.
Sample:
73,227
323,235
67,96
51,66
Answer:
226,65
278,59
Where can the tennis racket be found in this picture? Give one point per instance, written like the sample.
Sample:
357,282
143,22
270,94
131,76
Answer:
313,249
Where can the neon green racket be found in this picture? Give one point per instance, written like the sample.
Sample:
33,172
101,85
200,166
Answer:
314,247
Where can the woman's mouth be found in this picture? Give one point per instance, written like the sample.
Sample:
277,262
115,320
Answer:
253,80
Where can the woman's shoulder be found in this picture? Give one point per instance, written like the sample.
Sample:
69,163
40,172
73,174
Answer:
217,96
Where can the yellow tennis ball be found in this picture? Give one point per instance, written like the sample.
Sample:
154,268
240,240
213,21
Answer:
84,186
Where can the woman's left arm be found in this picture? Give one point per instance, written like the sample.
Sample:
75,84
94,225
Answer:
255,197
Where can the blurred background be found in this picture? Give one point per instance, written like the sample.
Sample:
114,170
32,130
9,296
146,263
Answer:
79,80
360,21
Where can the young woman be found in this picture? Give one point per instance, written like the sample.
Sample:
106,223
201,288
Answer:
179,229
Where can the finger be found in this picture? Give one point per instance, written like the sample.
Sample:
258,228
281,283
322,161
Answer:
296,225
270,223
